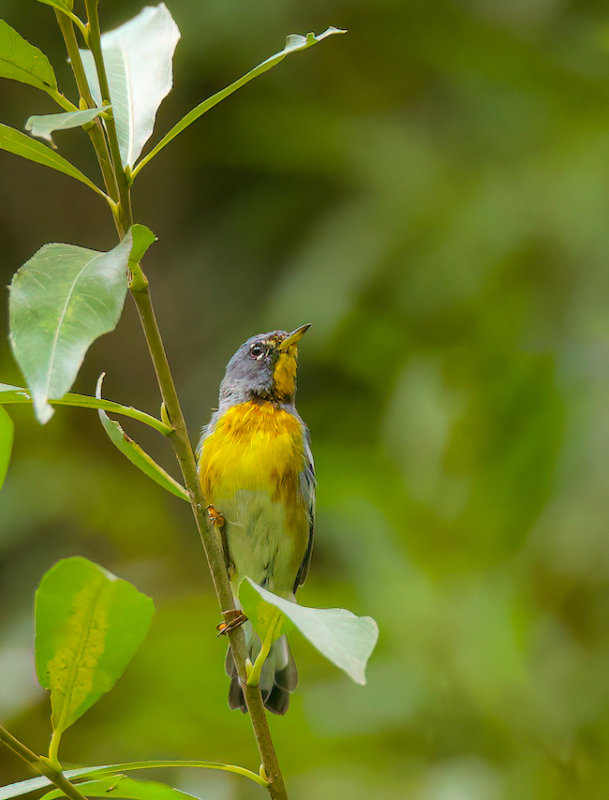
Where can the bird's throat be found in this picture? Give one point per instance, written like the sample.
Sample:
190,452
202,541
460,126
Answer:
284,375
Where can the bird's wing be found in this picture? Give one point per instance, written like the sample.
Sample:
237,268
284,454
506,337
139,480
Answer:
307,488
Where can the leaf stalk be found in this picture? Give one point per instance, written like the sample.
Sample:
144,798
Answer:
62,101
253,674
54,749
84,401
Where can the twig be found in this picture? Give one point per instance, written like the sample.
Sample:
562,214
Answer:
96,132
41,765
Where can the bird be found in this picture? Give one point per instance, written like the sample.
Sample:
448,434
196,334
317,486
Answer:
256,470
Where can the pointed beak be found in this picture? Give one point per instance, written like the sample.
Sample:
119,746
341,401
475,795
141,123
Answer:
294,337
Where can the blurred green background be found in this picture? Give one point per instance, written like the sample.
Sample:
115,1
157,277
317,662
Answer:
432,193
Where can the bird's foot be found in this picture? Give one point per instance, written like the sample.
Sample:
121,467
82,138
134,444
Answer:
216,518
233,618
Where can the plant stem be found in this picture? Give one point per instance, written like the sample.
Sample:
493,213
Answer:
209,539
96,132
96,49
41,765
181,442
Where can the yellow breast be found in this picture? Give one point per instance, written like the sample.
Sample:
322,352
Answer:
254,446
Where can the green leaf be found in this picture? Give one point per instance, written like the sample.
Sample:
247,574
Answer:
13,141
294,43
89,624
6,443
137,456
21,61
121,786
60,301
344,639
33,784
138,57
11,395
44,124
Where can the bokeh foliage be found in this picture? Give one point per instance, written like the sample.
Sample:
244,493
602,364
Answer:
431,192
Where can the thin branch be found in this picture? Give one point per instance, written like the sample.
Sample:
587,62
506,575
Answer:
211,543
41,765
76,20
96,132
119,172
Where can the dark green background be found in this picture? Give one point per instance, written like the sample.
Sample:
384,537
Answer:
432,193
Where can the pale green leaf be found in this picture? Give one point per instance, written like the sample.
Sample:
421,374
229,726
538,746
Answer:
137,456
89,624
60,301
123,787
6,443
294,43
21,61
11,395
13,141
264,616
344,639
138,58
43,125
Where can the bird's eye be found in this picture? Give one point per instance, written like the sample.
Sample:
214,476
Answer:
256,351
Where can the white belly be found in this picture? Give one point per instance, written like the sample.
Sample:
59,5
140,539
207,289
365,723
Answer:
259,543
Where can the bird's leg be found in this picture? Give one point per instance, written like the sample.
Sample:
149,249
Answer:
234,617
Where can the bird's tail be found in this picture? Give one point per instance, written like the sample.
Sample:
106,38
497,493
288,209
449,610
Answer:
278,678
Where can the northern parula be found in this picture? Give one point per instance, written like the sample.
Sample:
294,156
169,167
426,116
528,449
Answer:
256,470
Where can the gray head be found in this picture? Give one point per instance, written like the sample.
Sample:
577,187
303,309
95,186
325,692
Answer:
263,368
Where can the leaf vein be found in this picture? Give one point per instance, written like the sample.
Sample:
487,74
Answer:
75,667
